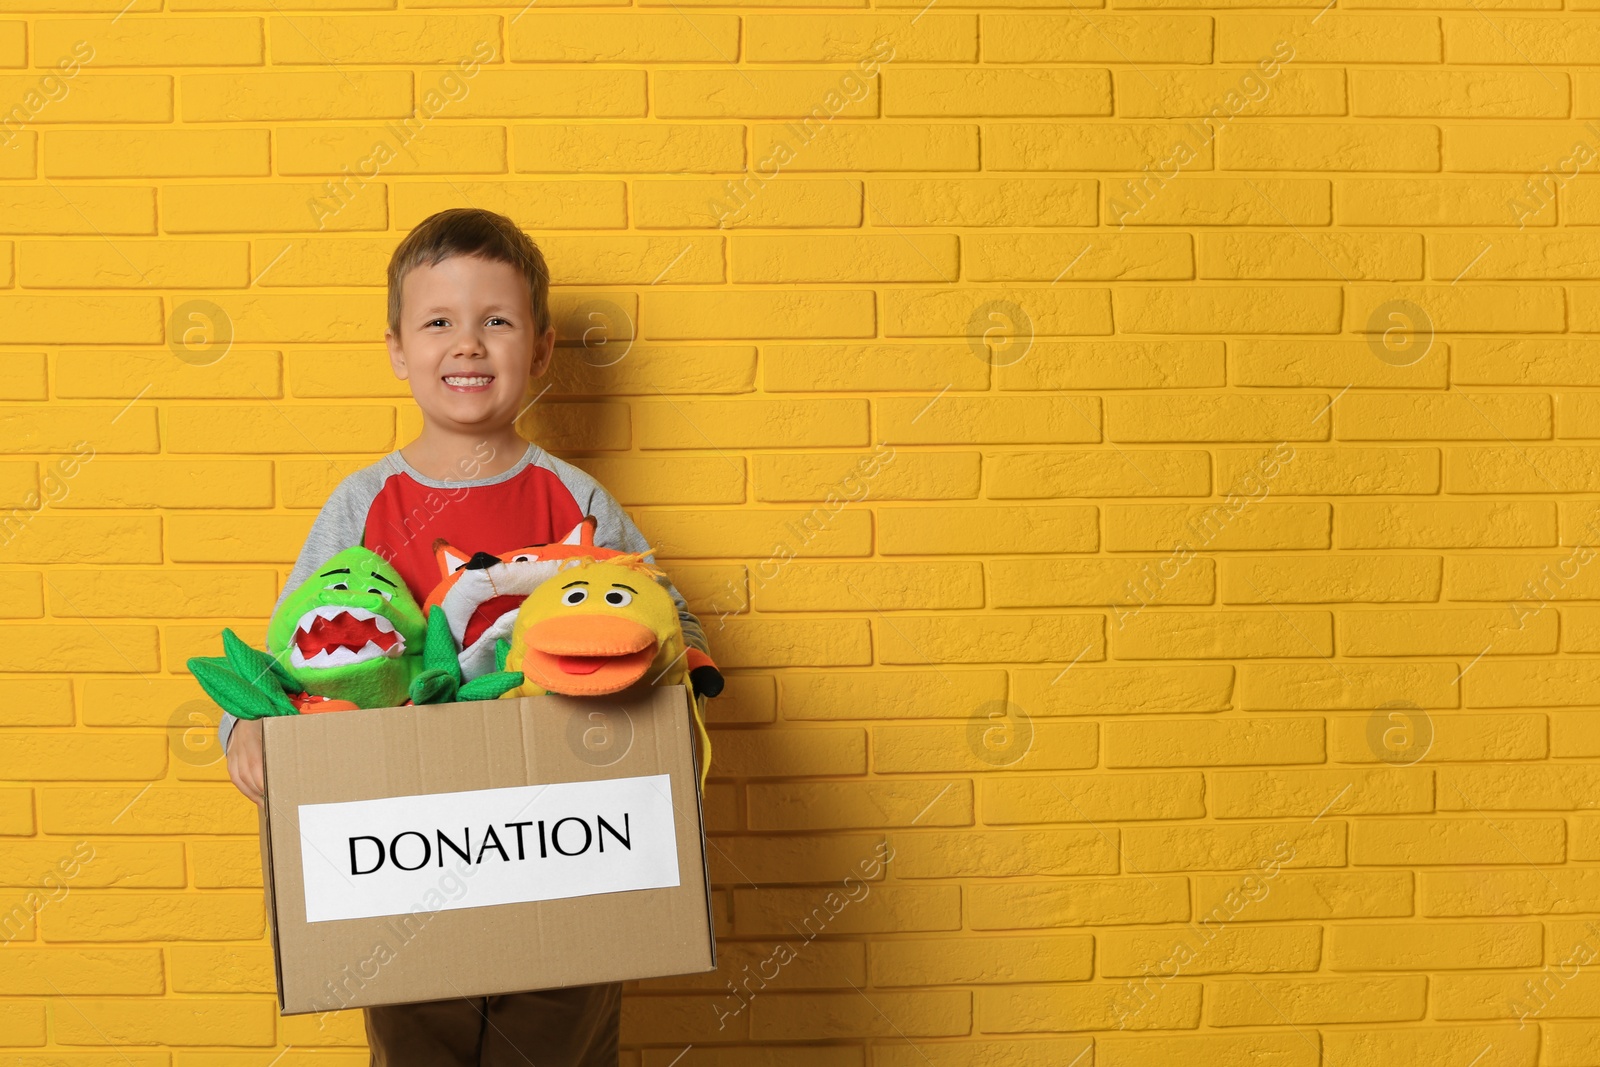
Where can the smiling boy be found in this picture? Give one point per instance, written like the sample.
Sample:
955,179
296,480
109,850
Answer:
468,329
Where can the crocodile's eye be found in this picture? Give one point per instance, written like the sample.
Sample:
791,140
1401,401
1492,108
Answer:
383,593
337,585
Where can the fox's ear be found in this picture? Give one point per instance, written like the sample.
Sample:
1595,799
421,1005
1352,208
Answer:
450,559
582,534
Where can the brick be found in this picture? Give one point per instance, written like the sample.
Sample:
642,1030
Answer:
1441,633
113,648
788,1017
1115,365
1096,147
226,864
1438,1044
434,149
757,314
132,916
796,858
13,44
1332,365
987,638
1291,1050
757,94
995,737
679,479
625,148
1099,798
1235,950
1441,201
196,1021
1029,1009
1080,902
983,420
295,96
790,753
155,153
1227,309
535,93
133,264
537,205
118,98
22,376
612,37
929,854
269,428
1329,147
356,39
62,971
143,864
1314,1001
770,534
1004,313
843,258
222,538
1487,148
1211,417
1323,257
970,960
1062,38
979,92
851,38
886,694
1214,527
1166,94
41,701
875,586
221,969
1336,38
1340,471
1414,842
1546,683
700,203
1124,690
793,643
751,423
24,1023
1455,738
1211,743
1206,201
1509,892
16,811
1398,947
791,477
158,594
906,531
880,146
1458,94
149,810
274,208
1444,525
1094,473
1346,791
944,201
1052,257
70,756
1094,583
1311,895
83,320
1190,847
1486,308
859,804
157,42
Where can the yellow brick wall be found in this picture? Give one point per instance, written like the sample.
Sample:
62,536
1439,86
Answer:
1137,462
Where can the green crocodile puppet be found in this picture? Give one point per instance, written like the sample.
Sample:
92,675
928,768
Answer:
351,636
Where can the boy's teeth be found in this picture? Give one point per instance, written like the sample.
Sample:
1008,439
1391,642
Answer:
463,379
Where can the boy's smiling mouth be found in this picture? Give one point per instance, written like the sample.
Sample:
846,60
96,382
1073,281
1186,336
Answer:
468,383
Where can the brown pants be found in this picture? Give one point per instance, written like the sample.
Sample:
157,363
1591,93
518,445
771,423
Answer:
574,1027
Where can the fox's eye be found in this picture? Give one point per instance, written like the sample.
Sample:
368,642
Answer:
382,592
618,598
521,559
574,596
338,585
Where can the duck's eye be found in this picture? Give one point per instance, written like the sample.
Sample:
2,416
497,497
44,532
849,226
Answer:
337,585
618,598
574,596
382,592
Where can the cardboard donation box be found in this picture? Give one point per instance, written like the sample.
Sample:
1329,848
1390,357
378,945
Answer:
495,846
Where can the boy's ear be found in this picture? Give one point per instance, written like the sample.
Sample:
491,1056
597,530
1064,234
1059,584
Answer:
397,356
543,348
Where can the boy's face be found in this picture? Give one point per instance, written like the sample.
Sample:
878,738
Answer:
466,342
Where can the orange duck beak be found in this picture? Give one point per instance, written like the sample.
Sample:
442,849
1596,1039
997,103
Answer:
587,655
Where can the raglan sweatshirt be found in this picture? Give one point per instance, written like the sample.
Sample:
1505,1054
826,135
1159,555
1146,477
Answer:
400,513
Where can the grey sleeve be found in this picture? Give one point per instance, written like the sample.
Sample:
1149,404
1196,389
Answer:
338,526
614,529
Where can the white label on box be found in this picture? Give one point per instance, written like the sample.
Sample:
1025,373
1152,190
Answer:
442,851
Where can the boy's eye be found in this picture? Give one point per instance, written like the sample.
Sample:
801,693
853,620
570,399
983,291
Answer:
438,322
497,320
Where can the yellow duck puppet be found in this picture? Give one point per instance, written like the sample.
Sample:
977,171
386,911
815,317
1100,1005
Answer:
597,627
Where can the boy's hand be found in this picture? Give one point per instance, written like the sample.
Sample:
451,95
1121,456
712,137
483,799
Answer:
244,758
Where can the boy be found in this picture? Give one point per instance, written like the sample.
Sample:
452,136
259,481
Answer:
469,328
